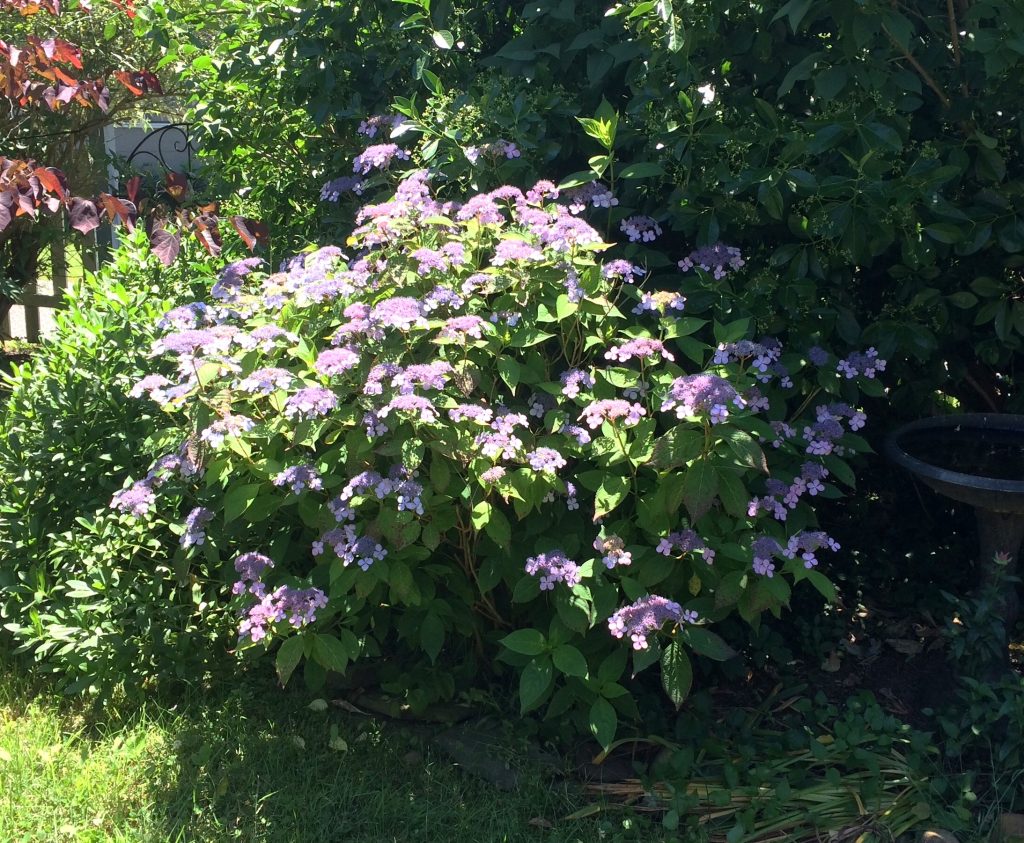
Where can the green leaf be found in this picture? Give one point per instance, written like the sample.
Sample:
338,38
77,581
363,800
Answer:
746,449
642,170
570,661
676,673
239,499
288,657
444,39
707,643
330,652
510,371
677,448
432,636
823,584
603,722
732,492
498,528
700,485
527,642
613,491
534,683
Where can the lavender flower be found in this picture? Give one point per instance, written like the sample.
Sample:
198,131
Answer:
640,348
765,549
378,157
545,459
332,190
229,425
154,386
622,269
685,541
135,500
422,375
865,363
442,297
493,474
515,250
350,547
573,380
704,393
593,193
807,543
379,123
473,412
640,228
185,317
195,523
540,191
553,567
265,381
717,259
299,478
611,410
415,404
461,327
310,403
644,617
229,283
400,312
483,209
336,361
817,355
660,302
613,551
296,606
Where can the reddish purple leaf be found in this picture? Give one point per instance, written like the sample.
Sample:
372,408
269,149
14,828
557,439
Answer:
165,245
252,232
83,215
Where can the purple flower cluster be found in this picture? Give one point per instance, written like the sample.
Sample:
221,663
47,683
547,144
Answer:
399,483
545,459
195,527
515,250
613,551
718,259
866,363
593,193
645,229
442,297
460,327
612,409
350,547
623,270
423,376
782,497
299,478
760,354
265,381
417,405
297,606
765,549
553,567
573,380
310,403
379,124
228,286
494,151
807,543
694,395
472,412
645,617
332,190
492,474
685,541
230,425
186,316
660,302
400,312
135,500
378,157
337,361
641,348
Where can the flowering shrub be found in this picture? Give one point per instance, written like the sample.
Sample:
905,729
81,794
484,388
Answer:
470,428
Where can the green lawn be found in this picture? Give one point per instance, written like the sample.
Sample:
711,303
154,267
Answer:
258,765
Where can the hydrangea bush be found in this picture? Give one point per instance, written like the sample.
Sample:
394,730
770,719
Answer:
469,437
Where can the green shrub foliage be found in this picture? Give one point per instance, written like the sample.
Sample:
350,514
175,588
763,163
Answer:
470,437
96,599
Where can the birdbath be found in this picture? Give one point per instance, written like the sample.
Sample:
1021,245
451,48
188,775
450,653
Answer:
977,459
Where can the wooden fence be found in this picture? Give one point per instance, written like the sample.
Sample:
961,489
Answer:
63,262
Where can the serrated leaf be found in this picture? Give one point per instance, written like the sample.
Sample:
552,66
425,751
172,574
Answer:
613,491
603,722
527,642
570,661
676,673
288,656
700,485
677,448
704,642
534,683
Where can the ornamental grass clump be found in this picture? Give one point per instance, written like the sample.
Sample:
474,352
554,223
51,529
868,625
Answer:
467,437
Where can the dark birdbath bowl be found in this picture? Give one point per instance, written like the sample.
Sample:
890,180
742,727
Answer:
977,459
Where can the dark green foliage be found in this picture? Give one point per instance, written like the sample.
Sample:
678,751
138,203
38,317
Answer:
91,595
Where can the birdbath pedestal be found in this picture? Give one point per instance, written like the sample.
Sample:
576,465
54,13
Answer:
977,459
